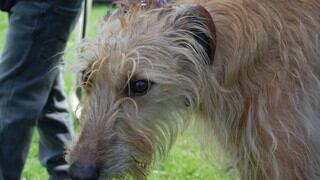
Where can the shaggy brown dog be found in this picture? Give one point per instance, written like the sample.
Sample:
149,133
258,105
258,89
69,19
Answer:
249,70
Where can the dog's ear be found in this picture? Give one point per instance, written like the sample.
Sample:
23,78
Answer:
198,22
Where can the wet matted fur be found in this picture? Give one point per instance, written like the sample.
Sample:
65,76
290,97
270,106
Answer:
249,70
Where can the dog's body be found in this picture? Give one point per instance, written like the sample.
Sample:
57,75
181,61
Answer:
248,69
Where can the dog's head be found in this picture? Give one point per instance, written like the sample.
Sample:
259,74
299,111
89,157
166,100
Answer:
143,69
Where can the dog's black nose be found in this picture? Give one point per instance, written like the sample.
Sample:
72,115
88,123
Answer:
78,172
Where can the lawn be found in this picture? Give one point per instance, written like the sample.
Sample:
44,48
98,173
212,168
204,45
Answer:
184,162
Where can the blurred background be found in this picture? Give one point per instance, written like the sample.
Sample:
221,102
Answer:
184,162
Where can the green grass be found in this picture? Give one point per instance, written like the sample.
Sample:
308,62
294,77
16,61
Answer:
184,162
3,28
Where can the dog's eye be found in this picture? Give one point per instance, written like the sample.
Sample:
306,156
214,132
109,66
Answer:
139,87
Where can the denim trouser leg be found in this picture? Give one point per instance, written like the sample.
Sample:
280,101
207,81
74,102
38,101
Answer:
31,91
55,132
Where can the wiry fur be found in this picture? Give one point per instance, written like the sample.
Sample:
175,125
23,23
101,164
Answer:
260,97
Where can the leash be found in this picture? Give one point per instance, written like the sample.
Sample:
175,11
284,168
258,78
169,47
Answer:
78,90
85,16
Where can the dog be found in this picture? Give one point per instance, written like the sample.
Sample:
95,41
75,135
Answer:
247,70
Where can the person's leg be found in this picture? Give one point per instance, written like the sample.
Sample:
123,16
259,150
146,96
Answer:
23,92
28,70
55,132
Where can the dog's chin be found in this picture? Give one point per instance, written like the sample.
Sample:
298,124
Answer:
109,175
127,171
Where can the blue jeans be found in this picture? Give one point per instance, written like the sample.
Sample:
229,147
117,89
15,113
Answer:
31,86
